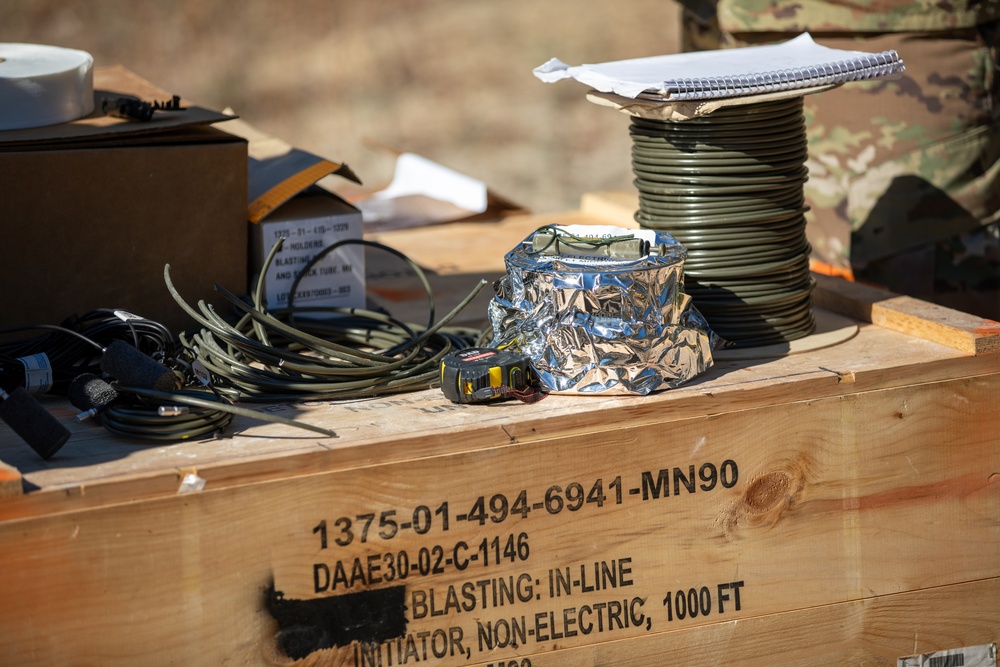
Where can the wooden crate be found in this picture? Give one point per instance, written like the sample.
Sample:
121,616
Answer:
836,506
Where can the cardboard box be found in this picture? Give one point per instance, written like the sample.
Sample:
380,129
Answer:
285,201
310,222
92,211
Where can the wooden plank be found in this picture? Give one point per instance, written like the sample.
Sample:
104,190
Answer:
94,467
11,483
961,331
791,508
471,247
875,631
613,207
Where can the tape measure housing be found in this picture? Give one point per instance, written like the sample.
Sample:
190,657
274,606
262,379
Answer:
482,374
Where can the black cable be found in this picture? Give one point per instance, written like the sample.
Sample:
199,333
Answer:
728,186
83,356
187,414
76,345
164,420
152,414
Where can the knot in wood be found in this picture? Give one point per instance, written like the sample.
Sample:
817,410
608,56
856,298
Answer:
767,492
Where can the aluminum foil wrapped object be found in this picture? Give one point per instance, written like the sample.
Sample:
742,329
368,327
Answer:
601,321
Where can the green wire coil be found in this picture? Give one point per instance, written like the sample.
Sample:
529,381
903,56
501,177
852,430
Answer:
279,356
728,186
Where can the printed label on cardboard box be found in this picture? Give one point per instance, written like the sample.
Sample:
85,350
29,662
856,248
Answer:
334,281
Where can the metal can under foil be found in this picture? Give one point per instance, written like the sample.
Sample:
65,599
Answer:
601,309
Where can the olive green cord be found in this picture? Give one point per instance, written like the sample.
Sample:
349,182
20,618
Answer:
206,415
558,234
728,187
269,356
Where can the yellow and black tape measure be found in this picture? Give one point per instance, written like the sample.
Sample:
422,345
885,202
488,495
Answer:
482,374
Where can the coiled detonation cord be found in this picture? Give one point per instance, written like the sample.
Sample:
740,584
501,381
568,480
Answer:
728,186
280,355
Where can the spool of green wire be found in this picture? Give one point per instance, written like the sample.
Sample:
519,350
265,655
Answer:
728,186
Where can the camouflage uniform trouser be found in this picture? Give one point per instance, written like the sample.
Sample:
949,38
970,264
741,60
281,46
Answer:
904,175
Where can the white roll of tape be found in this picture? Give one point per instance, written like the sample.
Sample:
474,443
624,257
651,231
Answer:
44,85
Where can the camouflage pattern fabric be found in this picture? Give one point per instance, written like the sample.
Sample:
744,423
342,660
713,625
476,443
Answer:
904,175
856,16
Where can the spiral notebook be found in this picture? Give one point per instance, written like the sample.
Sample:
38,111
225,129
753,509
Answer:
799,63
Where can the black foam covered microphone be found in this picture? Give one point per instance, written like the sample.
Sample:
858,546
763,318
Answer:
132,368
91,394
30,420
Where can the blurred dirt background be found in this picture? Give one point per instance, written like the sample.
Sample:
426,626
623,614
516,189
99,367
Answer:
449,79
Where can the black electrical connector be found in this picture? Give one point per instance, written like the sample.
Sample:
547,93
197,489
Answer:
134,108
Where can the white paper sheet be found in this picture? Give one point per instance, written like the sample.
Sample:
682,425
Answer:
801,59
423,192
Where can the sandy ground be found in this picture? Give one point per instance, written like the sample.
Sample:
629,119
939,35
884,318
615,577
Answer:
449,79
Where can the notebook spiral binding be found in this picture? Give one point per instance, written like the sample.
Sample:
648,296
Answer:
867,66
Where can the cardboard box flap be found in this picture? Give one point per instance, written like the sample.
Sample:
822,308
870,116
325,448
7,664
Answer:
98,127
275,180
278,171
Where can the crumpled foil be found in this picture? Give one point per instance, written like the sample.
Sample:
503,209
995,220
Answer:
602,324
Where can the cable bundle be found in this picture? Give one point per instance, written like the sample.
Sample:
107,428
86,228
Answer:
165,419
282,356
76,345
165,416
728,186
128,374
47,363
